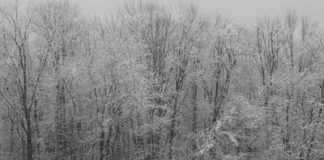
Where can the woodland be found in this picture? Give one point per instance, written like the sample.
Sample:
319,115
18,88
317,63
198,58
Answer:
157,82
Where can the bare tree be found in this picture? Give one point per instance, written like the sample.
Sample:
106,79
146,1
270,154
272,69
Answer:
25,69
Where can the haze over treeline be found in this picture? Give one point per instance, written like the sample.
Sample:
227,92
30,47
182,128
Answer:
152,82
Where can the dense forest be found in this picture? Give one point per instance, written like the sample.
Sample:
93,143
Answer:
157,82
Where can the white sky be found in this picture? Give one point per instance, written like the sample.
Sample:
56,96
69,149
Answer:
247,10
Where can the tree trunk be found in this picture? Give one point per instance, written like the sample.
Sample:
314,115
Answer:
28,128
172,127
29,139
194,116
60,125
101,144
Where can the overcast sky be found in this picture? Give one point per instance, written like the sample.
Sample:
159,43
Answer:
236,9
